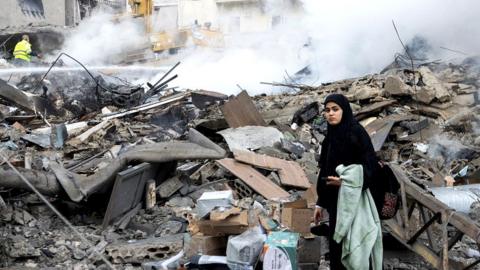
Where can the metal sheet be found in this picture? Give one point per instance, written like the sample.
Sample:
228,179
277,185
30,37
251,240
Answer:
240,111
127,192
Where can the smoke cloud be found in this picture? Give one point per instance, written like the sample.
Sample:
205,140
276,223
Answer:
347,39
336,39
99,39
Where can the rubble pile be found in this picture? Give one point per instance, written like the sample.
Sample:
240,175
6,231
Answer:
152,179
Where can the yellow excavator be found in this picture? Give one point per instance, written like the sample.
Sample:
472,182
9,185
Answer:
173,39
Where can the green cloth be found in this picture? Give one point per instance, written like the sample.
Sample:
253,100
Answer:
358,224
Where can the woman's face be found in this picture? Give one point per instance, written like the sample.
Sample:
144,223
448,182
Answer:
333,113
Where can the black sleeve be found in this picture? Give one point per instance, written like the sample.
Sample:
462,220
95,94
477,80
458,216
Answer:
321,184
366,155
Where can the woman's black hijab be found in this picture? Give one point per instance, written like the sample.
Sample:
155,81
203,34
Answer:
338,135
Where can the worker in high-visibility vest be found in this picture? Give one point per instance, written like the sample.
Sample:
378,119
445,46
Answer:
23,51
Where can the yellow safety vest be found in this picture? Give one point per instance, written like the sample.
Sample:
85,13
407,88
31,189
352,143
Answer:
22,50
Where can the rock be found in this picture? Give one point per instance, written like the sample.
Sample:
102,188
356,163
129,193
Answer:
424,95
415,126
180,202
433,83
78,254
464,100
362,92
170,227
293,147
22,217
304,134
19,247
395,86
169,187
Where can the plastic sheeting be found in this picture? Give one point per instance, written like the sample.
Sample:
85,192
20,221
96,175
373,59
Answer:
459,198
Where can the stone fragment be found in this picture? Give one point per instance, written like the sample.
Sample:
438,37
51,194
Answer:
395,86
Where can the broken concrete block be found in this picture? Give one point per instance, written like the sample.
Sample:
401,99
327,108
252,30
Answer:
464,100
241,189
180,202
293,147
433,83
169,187
147,249
251,137
424,95
362,92
200,175
22,217
306,114
173,226
415,126
395,86
19,247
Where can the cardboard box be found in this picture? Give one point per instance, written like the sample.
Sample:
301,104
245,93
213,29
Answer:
206,245
232,225
280,251
297,217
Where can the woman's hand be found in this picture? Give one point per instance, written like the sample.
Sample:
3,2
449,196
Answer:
334,181
317,215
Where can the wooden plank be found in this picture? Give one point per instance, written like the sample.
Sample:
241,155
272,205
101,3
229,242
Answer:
253,179
240,111
290,172
85,135
460,221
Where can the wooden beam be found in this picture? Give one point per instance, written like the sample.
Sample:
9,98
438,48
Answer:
458,220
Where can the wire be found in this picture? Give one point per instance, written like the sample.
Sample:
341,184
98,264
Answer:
455,51
97,84
64,219
413,71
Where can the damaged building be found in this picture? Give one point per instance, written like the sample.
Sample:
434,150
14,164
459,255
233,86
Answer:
104,171
168,180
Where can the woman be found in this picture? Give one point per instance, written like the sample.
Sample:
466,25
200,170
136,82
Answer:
346,143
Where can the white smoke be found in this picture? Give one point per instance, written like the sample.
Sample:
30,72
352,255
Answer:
347,39
337,39
100,38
